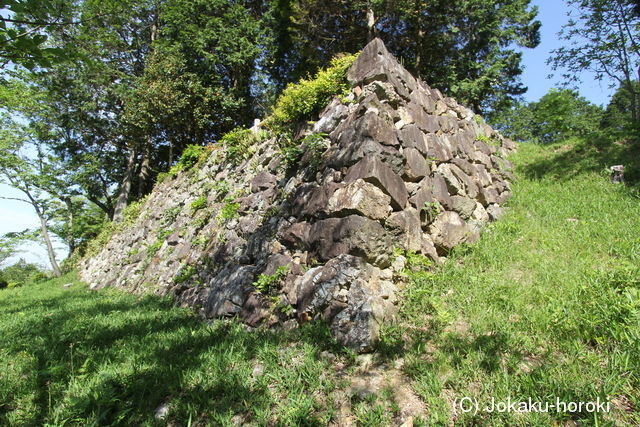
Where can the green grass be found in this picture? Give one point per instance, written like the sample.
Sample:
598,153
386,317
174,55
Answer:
546,305
84,357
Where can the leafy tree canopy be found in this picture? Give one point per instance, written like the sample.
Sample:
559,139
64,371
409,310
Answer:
560,114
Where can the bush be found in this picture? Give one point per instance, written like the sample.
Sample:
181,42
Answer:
300,100
22,273
558,115
199,203
238,143
192,155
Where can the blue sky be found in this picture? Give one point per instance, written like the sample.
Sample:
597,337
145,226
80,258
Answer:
16,216
553,15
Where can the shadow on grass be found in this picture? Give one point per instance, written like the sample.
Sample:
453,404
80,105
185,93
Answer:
594,154
112,358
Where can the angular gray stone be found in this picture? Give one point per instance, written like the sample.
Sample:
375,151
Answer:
463,205
312,199
495,211
405,229
440,191
438,148
351,296
331,116
353,235
481,176
487,196
454,185
416,167
359,197
470,188
297,234
412,137
374,171
465,166
228,290
448,231
423,195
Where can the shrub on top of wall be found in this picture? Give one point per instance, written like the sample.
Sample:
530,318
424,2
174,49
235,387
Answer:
301,99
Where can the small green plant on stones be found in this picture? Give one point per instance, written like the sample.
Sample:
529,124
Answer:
199,203
201,242
185,274
284,308
271,212
228,212
153,249
432,209
221,188
314,146
268,283
202,220
488,140
132,211
290,155
240,144
169,216
192,155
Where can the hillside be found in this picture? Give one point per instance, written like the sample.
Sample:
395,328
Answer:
544,305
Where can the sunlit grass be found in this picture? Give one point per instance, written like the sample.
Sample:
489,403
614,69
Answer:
546,305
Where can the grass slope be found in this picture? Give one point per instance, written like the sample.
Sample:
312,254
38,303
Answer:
545,306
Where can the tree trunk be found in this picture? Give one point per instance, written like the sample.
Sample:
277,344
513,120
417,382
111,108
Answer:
634,100
105,207
371,23
71,241
47,241
419,39
143,175
44,229
125,188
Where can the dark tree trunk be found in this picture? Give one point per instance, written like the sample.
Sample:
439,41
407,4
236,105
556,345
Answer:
143,175
125,188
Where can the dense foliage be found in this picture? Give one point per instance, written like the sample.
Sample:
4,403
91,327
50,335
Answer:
603,37
21,273
103,96
466,48
560,114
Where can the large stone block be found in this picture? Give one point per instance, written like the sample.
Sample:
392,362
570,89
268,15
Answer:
405,229
354,234
382,176
359,197
448,231
416,166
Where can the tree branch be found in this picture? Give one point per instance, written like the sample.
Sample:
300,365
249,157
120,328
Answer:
15,198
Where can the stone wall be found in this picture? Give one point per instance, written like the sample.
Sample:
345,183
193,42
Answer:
399,167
